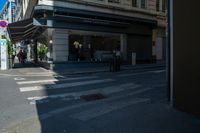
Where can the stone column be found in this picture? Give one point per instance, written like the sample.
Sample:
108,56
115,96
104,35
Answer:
60,45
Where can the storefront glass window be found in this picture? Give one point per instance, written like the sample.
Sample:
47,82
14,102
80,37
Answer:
91,47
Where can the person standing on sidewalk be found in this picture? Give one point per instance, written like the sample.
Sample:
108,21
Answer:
20,55
24,56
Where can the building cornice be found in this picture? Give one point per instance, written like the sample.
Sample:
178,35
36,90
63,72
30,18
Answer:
91,6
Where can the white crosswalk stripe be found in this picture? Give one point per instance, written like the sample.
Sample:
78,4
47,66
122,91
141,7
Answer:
159,71
54,80
64,85
115,95
106,108
76,95
19,79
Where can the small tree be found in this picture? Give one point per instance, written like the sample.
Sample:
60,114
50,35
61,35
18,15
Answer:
42,51
10,48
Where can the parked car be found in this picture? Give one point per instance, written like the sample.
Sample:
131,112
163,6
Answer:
103,55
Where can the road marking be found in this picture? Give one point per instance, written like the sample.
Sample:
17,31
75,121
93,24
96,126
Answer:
10,75
54,80
64,85
62,110
159,71
132,74
19,78
141,91
4,74
106,108
140,73
76,95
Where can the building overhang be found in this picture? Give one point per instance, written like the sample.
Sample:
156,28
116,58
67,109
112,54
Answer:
86,14
24,30
57,17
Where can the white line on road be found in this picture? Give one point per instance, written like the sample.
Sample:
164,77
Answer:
140,73
159,71
62,110
106,108
54,80
19,78
64,85
24,75
141,91
132,74
76,95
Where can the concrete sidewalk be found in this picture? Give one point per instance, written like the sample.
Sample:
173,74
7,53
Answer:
33,69
98,69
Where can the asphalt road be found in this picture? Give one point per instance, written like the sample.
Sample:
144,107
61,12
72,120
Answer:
122,102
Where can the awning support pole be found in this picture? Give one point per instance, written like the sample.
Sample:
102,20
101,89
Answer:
35,52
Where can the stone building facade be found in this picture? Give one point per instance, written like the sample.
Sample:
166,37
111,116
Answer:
99,27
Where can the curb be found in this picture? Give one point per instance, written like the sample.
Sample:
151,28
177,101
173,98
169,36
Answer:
98,71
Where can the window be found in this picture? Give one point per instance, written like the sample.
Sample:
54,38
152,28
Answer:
157,5
134,3
161,5
143,4
114,1
164,5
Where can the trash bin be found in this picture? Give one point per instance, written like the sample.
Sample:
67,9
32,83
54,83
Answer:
133,58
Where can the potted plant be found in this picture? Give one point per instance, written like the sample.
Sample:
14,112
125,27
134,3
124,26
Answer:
42,51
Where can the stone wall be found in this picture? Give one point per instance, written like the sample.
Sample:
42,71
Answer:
60,45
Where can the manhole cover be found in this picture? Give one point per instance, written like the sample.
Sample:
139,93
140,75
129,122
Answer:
93,97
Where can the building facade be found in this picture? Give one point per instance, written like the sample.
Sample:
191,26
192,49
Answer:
7,13
90,30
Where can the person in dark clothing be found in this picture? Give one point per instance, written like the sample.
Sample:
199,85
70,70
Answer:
19,55
24,56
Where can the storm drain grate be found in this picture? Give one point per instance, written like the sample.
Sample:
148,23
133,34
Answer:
93,97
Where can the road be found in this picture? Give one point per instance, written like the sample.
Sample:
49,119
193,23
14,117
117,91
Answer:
105,102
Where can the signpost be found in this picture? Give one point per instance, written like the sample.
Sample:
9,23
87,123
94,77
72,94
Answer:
4,47
4,54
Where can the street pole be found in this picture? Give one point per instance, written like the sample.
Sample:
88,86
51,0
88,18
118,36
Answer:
35,52
169,51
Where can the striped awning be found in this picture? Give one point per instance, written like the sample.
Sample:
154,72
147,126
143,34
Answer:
22,30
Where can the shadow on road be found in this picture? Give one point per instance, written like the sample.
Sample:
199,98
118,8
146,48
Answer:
60,100
69,104
24,65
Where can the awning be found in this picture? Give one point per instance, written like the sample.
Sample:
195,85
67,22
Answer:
22,30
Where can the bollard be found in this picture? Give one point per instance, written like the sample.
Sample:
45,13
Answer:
133,61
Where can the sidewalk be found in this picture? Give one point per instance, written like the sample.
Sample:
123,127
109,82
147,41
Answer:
33,69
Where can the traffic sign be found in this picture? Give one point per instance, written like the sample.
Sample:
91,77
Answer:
3,23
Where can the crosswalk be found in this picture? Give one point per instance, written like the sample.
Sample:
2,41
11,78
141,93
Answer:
69,89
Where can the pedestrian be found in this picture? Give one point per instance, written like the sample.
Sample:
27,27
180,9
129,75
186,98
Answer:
19,55
13,60
24,56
